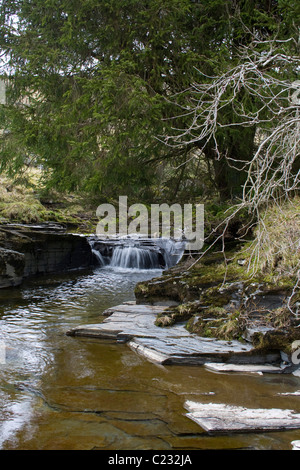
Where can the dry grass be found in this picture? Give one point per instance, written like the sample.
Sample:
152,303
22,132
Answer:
25,203
20,203
278,239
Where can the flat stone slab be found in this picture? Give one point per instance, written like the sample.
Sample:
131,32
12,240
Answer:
134,324
289,394
219,417
246,368
295,445
296,372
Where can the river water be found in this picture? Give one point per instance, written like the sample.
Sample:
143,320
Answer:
60,392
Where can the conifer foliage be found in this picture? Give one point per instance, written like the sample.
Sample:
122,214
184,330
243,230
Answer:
91,86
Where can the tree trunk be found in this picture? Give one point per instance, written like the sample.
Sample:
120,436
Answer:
230,166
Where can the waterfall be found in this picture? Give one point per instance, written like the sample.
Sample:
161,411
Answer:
98,257
173,251
156,253
135,257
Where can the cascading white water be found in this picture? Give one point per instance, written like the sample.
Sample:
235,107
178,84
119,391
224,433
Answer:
134,257
143,254
99,257
173,250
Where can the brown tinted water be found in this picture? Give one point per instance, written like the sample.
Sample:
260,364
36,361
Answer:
59,392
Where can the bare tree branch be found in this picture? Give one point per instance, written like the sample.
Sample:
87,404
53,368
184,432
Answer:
265,77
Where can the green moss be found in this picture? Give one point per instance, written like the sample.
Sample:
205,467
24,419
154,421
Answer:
213,296
26,211
166,287
216,322
207,333
20,203
232,328
276,340
181,313
142,288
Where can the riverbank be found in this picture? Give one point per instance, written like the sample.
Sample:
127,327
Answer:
28,202
250,293
240,308
31,250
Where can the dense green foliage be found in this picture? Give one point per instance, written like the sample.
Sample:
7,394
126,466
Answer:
91,84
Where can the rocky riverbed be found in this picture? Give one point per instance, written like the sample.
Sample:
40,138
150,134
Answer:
134,324
188,316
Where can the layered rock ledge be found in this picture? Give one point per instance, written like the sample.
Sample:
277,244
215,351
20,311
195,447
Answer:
134,324
222,418
30,250
223,300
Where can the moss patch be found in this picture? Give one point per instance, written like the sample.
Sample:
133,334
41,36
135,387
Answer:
178,314
277,340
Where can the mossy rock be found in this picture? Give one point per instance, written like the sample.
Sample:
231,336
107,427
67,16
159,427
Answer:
165,288
187,287
232,328
217,322
190,283
276,339
177,314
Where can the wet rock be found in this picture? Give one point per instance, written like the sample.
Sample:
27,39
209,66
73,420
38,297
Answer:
31,250
140,252
279,339
244,368
12,265
218,417
135,325
195,350
57,253
295,445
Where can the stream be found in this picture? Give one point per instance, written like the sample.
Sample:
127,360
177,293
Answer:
64,393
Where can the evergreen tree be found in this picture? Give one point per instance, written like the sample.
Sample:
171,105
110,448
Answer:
91,84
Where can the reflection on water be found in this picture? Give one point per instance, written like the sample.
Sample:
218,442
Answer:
59,392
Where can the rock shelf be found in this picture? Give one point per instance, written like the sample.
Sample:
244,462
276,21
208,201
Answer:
219,417
134,324
29,250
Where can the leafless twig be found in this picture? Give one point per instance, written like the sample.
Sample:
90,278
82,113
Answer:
264,77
